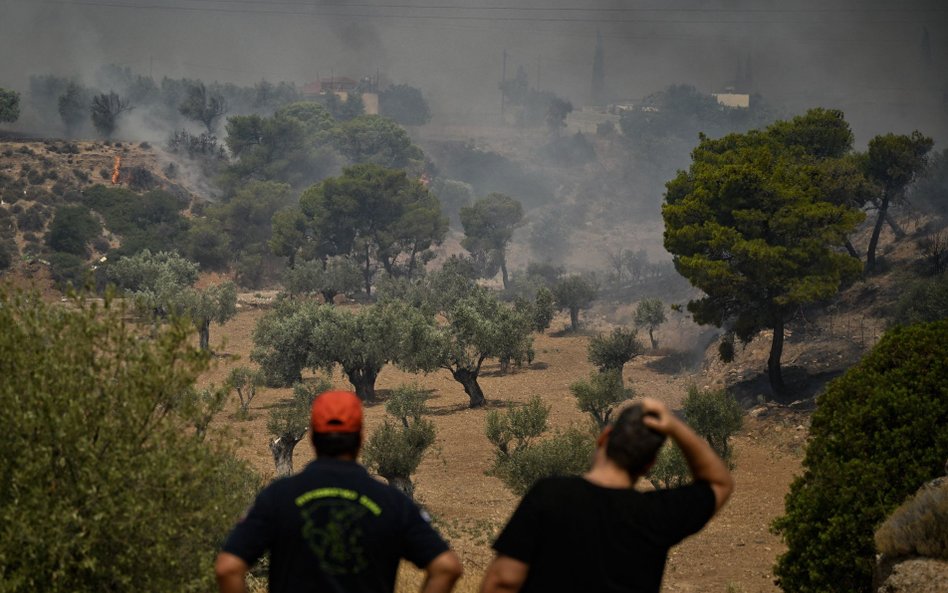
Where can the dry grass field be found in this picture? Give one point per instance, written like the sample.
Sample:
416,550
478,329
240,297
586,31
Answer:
733,554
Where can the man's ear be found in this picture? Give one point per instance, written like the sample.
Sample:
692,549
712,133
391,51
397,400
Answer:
604,437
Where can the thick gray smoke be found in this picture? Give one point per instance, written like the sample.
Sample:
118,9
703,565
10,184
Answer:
885,63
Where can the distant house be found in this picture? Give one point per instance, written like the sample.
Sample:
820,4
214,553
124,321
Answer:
733,100
342,86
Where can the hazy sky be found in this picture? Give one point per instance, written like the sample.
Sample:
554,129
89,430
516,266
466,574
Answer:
864,56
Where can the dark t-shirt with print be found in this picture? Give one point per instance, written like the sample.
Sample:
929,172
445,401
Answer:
577,536
333,528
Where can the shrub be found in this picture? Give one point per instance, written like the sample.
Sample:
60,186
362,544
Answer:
878,433
288,423
245,381
67,270
521,459
599,396
72,229
394,451
924,300
714,415
32,219
96,471
919,527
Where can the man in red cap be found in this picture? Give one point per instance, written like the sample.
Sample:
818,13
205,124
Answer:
332,527
595,532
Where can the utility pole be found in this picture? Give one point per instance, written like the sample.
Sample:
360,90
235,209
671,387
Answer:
503,80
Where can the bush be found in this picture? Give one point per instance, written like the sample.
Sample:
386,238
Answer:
67,270
919,527
714,415
72,229
879,432
97,471
521,459
923,300
394,451
32,219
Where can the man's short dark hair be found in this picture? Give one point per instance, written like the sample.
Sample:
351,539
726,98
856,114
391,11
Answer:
631,444
336,444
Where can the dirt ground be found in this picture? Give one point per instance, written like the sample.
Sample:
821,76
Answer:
733,554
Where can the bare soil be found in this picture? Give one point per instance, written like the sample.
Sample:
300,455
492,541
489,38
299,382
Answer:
735,551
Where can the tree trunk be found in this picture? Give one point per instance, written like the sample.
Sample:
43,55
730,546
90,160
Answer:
896,229
652,338
468,379
574,318
874,239
367,273
503,271
205,332
504,365
774,372
403,484
852,250
363,379
282,449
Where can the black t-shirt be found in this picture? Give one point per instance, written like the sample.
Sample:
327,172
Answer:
579,537
333,528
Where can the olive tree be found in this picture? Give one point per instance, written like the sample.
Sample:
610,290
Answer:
203,106
478,327
289,421
489,224
395,449
335,276
611,352
600,395
9,105
575,293
106,109
650,313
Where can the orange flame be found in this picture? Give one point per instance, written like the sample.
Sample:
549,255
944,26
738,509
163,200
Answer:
115,170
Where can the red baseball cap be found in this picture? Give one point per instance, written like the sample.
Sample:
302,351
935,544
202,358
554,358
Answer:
336,411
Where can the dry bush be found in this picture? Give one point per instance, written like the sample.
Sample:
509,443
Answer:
919,527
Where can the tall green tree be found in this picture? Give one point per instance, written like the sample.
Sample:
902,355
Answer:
73,107
377,215
404,104
746,226
9,105
893,161
489,224
337,275
377,140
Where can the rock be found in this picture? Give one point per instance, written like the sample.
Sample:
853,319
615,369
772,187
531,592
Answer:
758,412
917,575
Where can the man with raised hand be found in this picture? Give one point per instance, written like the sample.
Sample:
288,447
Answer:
332,527
596,532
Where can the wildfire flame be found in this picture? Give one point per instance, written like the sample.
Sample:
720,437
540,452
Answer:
115,170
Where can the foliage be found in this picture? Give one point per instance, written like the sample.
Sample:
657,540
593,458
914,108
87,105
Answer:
9,105
489,224
68,270
288,422
394,450
405,104
478,327
879,432
540,312
337,275
106,109
650,313
376,140
200,406
746,226
203,106
88,462
575,293
453,195
893,161
521,459
611,352
246,217
714,415
375,214
161,285
245,381
919,527
73,105
925,299
152,220
280,342
71,230
599,396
